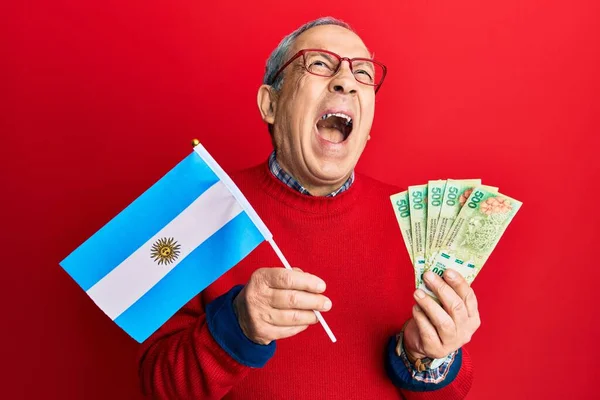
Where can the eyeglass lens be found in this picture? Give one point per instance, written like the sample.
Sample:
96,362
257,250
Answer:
324,64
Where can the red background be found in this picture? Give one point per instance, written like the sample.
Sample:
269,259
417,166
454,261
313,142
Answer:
99,100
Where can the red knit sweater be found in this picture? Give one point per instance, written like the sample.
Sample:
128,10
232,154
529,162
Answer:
351,241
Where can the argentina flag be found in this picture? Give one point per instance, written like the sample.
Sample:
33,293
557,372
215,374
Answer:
178,237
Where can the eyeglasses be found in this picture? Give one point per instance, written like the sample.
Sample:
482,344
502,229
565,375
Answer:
326,63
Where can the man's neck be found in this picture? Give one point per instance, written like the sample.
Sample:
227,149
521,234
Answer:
287,176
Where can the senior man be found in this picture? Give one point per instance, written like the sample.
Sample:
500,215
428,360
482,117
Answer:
318,100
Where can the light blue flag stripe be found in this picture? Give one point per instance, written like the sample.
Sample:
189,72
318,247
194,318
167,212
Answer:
204,265
137,223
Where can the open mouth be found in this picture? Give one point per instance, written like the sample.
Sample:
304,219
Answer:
335,128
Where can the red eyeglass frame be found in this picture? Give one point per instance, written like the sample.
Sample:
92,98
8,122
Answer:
340,59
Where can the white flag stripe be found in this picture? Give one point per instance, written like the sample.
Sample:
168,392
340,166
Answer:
138,273
216,168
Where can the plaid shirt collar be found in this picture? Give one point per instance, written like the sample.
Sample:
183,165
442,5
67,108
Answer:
294,184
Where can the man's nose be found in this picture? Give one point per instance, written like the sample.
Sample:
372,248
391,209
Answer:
343,81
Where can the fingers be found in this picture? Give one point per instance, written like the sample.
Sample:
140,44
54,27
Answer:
290,317
290,331
451,301
295,299
278,303
438,317
463,290
279,278
445,326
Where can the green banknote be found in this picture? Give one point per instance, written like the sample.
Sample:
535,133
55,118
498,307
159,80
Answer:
474,234
417,199
435,195
402,211
454,198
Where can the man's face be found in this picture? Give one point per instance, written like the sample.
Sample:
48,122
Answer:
316,148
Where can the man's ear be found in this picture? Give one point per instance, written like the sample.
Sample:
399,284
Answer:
267,103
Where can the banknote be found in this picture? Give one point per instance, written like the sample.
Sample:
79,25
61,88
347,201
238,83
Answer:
417,199
474,234
454,198
435,195
402,211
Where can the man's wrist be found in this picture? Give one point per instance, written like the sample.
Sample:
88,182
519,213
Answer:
224,327
409,349
419,361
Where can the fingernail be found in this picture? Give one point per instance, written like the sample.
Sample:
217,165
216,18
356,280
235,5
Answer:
321,286
428,276
327,305
450,274
420,294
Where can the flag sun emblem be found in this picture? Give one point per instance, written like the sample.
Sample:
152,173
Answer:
165,250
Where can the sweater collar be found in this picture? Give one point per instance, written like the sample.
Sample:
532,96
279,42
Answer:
305,202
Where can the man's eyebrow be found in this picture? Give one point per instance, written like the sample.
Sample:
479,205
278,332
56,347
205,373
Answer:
329,57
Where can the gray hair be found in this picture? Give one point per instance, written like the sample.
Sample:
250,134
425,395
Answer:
280,54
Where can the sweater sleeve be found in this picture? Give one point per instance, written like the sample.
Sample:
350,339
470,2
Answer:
199,353
455,386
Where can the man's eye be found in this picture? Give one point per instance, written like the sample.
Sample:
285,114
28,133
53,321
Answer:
364,74
319,64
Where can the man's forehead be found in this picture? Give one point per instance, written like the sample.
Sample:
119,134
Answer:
333,38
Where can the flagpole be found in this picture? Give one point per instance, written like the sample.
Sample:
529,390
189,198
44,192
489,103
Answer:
287,265
269,238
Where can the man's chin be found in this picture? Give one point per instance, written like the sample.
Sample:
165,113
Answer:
330,173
